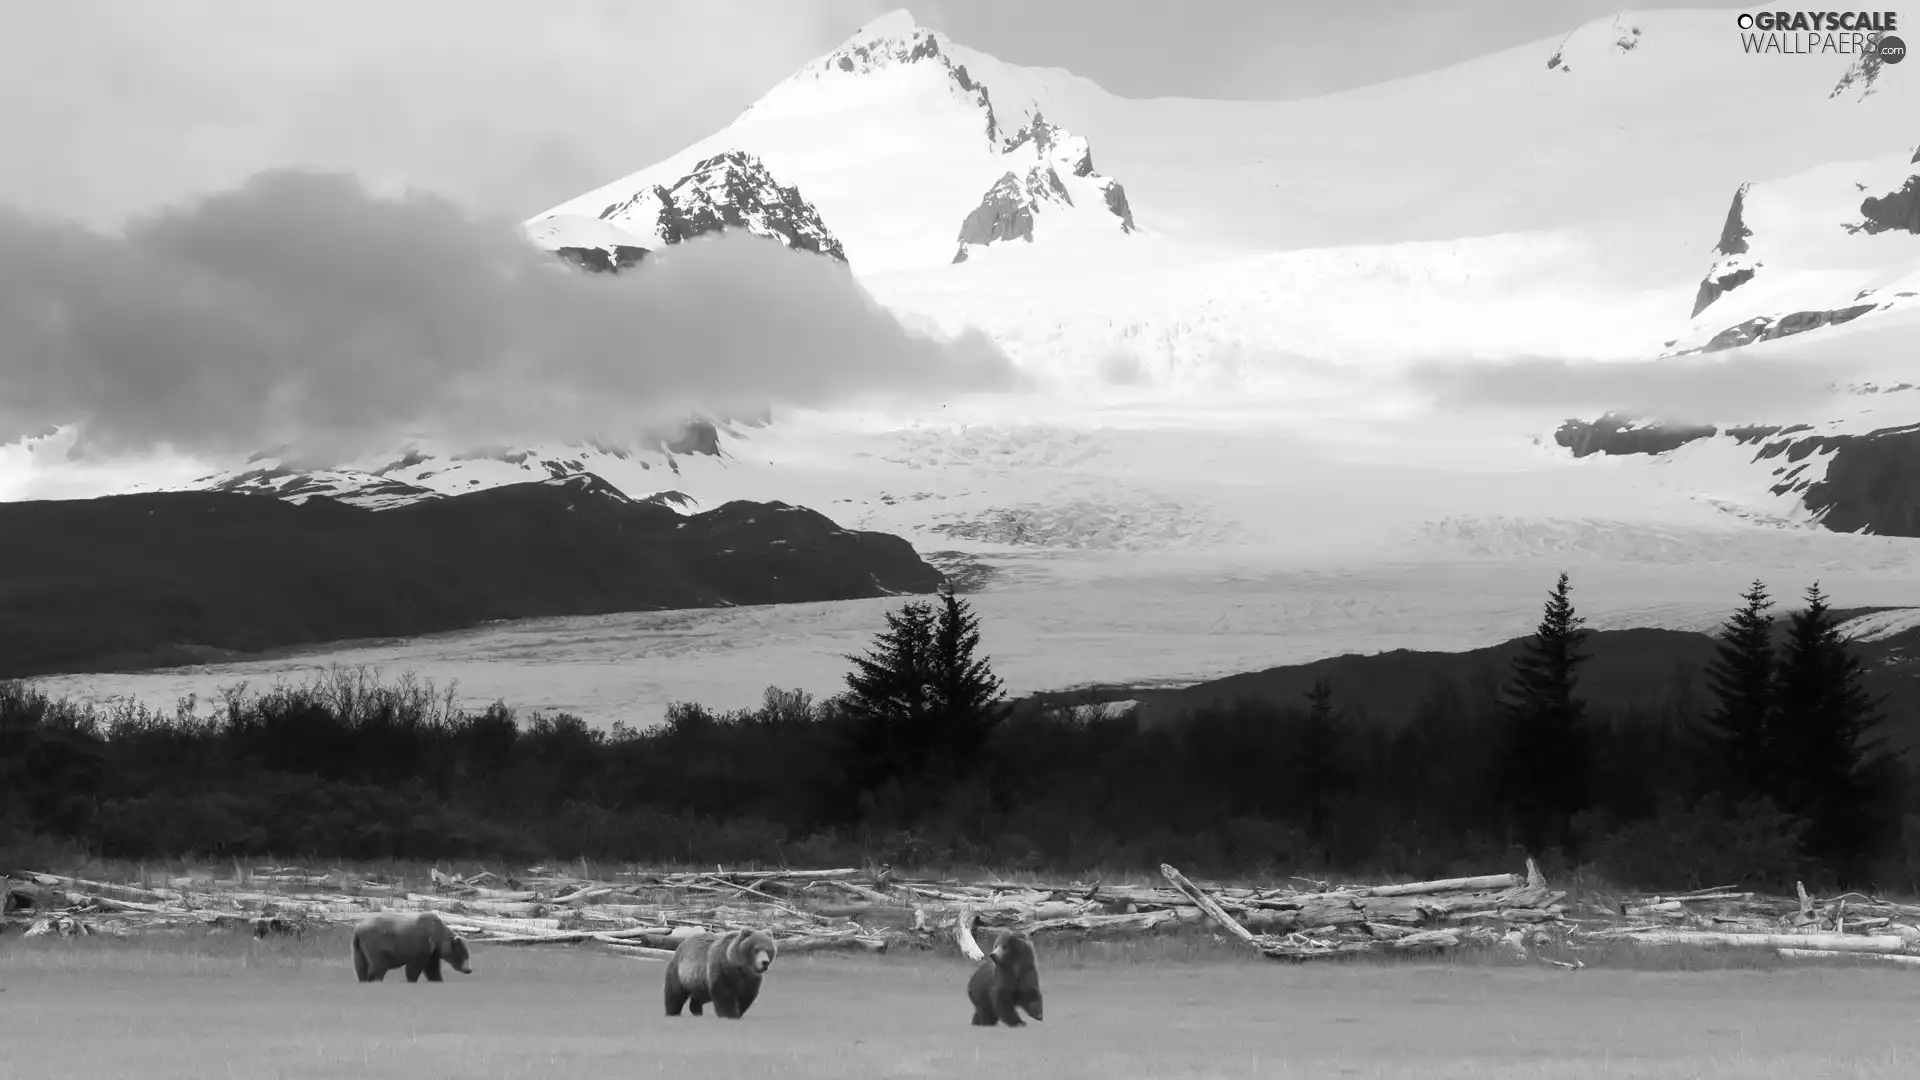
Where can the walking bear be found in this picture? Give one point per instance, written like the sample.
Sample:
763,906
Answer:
414,940
1005,979
725,969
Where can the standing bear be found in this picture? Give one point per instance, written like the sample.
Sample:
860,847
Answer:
414,940
1007,978
725,969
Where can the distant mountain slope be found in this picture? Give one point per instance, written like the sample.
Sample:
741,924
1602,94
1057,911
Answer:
1638,668
181,577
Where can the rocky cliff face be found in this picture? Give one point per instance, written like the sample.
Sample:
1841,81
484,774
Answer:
1872,482
1046,164
1732,267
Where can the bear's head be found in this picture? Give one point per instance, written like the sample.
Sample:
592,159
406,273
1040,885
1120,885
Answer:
454,952
754,951
1014,950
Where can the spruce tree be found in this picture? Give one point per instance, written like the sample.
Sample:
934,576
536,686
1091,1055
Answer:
1321,768
887,699
921,701
966,697
1543,768
1826,752
1743,678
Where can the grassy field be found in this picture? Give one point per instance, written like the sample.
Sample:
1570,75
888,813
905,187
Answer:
221,1006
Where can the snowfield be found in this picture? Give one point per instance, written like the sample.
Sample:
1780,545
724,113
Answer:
1307,406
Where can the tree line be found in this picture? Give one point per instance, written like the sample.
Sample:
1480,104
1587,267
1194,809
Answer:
923,760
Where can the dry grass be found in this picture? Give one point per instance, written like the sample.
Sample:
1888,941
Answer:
220,1006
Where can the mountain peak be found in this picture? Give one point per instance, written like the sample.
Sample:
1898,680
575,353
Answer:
898,23
891,40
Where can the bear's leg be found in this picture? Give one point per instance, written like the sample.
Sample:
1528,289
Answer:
432,970
698,1001
745,1001
1004,1010
677,994
725,992
361,969
413,970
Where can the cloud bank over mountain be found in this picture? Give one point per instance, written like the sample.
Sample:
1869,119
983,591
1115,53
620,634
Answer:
1674,388
299,310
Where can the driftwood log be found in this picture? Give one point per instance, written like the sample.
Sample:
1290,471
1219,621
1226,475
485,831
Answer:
644,915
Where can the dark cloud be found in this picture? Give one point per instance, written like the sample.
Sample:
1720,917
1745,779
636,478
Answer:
1700,388
300,311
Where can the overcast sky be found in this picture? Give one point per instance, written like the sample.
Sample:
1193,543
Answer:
109,107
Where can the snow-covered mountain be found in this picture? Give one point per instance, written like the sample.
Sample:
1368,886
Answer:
1147,260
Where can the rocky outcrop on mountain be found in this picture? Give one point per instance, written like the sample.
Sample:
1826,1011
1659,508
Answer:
1896,210
1769,327
730,190
185,577
1047,164
1595,39
1006,212
604,260
1616,433
1732,267
590,244
1860,75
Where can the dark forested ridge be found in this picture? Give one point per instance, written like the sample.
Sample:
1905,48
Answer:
1640,670
1764,766
183,577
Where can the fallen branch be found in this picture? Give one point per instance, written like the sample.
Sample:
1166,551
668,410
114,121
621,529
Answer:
963,936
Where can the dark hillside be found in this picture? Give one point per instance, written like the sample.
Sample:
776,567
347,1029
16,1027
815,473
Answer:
180,577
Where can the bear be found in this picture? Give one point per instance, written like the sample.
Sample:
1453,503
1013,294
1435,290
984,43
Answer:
1005,979
725,969
414,940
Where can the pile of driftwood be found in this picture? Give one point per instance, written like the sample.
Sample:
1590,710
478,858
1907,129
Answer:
646,914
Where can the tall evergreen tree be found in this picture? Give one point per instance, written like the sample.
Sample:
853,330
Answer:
1743,678
1321,767
1826,751
921,701
966,697
887,701
1544,765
